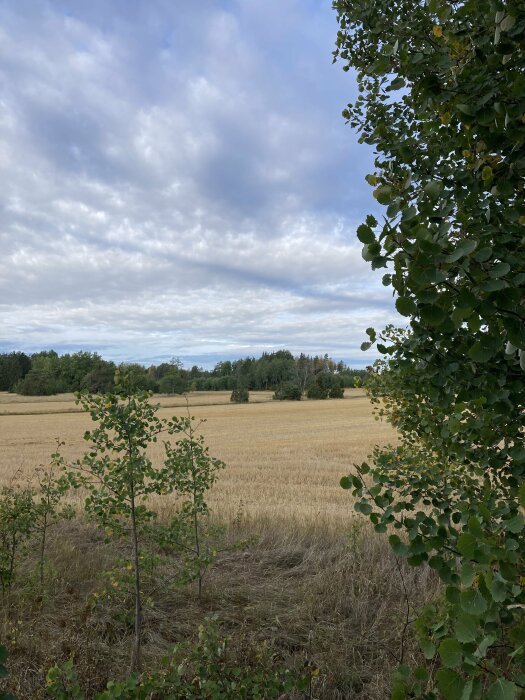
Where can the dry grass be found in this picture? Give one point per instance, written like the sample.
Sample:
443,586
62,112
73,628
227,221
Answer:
336,599
314,576
284,459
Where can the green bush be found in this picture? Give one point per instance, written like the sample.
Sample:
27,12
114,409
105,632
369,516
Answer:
337,392
316,391
240,395
205,670
441,99
37,383
4,673
288,392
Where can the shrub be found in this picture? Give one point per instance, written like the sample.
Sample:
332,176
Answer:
337,392
316,391
240,395
37,383
17,522
194,671
288,392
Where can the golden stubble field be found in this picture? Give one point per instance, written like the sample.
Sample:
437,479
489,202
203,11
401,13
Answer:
283,459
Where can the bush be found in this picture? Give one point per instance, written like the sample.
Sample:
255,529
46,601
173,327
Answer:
194,671
240,395
337,392
316,391
288,392
37,383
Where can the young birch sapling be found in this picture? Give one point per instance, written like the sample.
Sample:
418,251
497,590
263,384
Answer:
119,475
47,510
193,471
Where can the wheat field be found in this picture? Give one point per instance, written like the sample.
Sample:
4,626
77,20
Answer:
296,571
283,460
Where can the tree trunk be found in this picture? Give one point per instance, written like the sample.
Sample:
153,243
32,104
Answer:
136,657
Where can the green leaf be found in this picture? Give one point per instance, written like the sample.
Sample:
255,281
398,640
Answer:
473,602
383,194
450,684
502,689
467,574
515,524
406,306
433,189
463,248
433,315
499,270
481,352
345,482
466,544
398,547
450,652
466,628
428,648
365,234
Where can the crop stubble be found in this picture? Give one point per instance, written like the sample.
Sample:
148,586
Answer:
283,459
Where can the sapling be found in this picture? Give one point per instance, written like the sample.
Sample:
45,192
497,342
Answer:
17,520
48,512
193,471
119,475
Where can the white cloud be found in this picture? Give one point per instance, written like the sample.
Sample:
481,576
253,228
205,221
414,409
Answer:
179,181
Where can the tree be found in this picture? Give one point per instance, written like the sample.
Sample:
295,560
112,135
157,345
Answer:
442,100
13,367
46,507
99,380
118,473
192,473
173,383
37,382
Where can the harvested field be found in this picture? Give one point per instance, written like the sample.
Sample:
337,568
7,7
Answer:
283,459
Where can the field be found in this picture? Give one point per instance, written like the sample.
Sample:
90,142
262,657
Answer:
284,459
312,584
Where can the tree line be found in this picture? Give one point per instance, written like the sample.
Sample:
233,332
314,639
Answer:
46,373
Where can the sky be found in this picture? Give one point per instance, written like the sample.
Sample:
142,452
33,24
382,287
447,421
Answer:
178,181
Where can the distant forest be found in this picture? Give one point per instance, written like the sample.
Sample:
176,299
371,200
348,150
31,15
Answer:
46,373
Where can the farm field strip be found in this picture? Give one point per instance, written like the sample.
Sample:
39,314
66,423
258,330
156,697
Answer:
283,459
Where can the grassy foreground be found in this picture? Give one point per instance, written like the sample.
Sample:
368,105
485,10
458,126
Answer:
337,601
312,584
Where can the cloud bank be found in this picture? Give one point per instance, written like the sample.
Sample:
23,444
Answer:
178,180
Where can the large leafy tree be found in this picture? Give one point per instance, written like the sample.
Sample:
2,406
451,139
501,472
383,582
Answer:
442,101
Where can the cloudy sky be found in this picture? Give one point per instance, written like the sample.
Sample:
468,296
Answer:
178,181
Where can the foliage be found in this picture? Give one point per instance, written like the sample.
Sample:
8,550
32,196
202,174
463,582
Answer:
173,383
442,100
17,517
288,392
240,395
37,382
4,673
47,510
118,473
13,367
192,472
325,385
203,671
119,477
85,371
336,392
